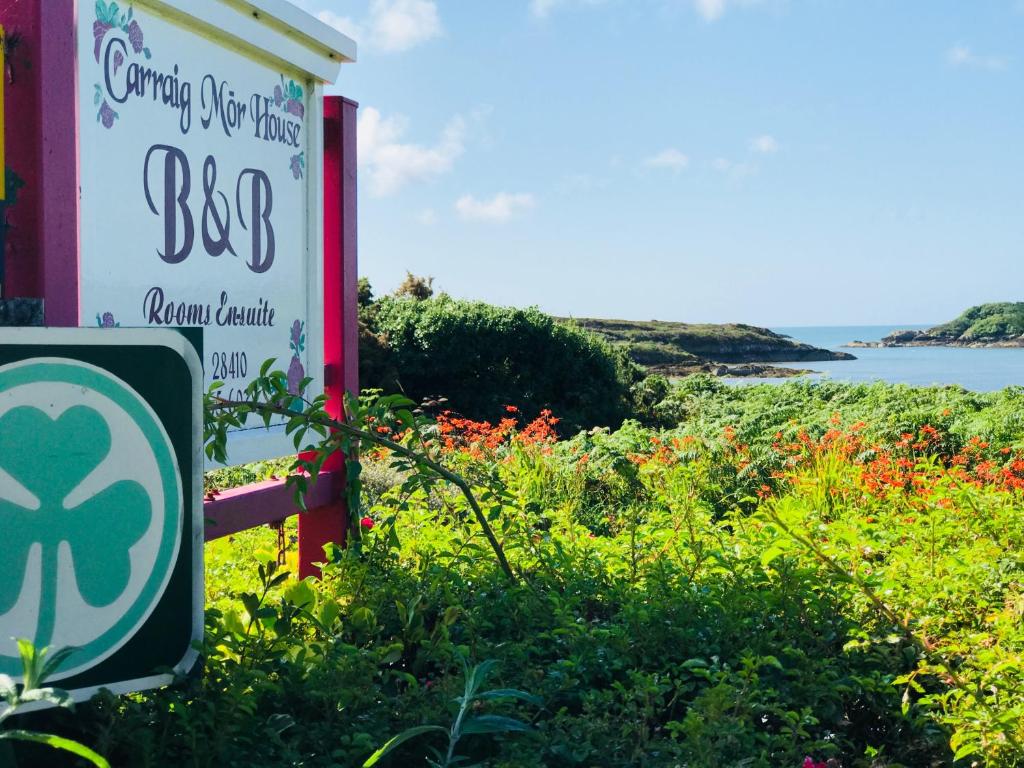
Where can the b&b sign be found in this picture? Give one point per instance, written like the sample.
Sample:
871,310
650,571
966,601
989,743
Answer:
101,503
200,159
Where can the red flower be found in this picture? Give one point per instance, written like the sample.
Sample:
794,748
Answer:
367,523
809,763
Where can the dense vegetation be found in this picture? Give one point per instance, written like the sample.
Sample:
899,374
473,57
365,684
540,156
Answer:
481,357
804,574
1001,321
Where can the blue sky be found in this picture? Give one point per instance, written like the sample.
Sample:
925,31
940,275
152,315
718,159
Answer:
777,162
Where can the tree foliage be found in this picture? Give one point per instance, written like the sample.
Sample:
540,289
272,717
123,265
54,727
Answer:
483,357
998,320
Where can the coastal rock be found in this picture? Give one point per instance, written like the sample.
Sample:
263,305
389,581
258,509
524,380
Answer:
748,370
901,337
656,344
863,344
983,326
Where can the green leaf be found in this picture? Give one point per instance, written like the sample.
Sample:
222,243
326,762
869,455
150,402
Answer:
770,554
494,724
53,661
280,722
965,751
395,741
251,603
481,672
394,653
58,742
510,693
300,594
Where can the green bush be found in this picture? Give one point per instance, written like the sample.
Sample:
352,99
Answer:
665,612
985,321
482,357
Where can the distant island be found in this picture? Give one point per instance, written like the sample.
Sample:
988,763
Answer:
986,325
732,349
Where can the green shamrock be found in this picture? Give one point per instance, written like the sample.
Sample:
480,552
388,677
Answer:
50,458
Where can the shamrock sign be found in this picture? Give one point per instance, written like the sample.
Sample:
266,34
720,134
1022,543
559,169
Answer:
91,510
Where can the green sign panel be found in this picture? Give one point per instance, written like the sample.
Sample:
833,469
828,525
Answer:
101,502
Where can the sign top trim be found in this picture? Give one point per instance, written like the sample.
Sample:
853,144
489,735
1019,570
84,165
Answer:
308,26
274,28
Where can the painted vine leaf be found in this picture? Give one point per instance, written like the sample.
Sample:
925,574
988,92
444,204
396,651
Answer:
50,458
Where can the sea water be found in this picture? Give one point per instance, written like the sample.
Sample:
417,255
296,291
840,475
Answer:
981,370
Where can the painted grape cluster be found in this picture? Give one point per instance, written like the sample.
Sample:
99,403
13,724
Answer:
289,98
109,16
107,320
297,344
298,164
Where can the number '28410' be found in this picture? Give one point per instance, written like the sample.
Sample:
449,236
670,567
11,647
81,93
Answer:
229,365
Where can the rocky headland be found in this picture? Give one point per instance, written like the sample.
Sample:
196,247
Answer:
984,326
731,349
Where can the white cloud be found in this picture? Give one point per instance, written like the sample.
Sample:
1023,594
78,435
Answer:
502,207
671,158
713,10
765,145
730,168
427,217
390,26
962,56
710,9
541,9
397,25
344,24
391,164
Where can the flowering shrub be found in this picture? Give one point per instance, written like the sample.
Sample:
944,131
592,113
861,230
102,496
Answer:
804,581
481,357
476,437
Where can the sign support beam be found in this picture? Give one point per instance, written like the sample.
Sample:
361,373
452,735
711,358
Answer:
329,524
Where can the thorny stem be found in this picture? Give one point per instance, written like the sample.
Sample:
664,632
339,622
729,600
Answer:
391,445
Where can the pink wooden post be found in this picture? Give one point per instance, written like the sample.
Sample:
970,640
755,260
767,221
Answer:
22,108
59,162
42,134
329,524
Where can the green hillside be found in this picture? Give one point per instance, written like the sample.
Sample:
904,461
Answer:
658,343
998,320
999,324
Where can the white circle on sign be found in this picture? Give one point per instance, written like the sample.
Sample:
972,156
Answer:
138,453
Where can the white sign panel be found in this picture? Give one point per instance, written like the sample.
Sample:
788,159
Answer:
199,196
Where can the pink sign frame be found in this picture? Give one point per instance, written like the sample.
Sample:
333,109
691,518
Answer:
43,248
